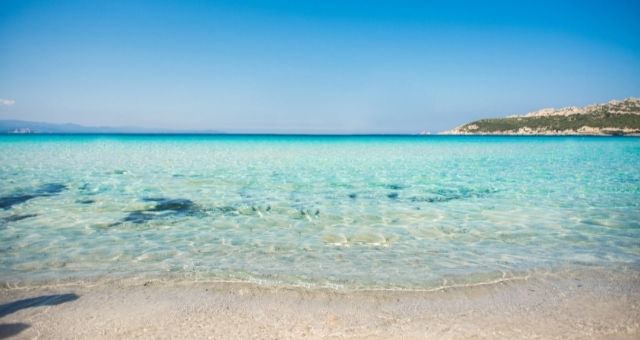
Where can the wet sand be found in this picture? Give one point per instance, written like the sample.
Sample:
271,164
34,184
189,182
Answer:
593,304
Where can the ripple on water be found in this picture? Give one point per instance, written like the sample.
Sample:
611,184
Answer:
370,212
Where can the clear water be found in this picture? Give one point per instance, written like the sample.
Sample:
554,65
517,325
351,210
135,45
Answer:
384,212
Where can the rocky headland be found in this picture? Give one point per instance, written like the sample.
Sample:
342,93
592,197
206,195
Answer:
617,117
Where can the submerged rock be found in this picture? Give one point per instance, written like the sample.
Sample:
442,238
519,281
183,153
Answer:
86,201
49,189
433,199
178,204
7,202
446,195
138,217
15,218
165,207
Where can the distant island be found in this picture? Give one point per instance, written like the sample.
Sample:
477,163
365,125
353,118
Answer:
617,117
28,127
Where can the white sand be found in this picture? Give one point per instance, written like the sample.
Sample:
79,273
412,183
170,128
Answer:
579,305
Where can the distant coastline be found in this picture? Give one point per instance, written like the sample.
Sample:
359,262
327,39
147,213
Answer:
617,117
22,127
29,127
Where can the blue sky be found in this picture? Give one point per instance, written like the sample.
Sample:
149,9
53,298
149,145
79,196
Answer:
311,66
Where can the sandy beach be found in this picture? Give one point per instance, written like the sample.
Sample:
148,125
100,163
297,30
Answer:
594,304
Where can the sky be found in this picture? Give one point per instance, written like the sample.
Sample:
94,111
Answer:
330,66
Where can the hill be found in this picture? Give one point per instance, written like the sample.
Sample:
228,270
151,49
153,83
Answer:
613,118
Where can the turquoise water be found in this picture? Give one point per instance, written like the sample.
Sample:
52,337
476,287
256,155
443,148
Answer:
383,212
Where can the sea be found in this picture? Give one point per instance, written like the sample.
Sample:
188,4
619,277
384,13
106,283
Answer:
345,212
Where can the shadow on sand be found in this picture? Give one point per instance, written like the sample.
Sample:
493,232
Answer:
10,329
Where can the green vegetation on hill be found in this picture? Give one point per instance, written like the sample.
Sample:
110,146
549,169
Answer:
558,123
613,118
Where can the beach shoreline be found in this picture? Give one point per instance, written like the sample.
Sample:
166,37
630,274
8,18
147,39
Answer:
582,304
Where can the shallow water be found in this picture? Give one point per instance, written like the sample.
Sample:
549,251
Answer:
376,212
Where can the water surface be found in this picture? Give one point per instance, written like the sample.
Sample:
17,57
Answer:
373,212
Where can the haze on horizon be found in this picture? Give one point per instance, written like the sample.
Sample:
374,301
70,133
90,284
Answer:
310,66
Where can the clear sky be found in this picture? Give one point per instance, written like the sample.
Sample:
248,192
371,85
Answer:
334,66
